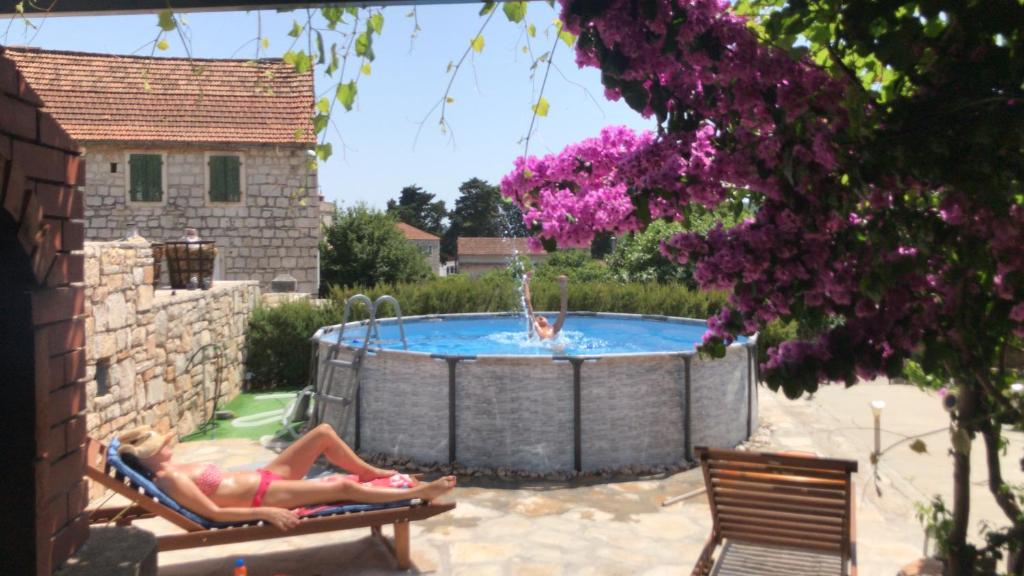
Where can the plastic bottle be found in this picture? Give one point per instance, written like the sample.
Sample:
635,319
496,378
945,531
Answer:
240,569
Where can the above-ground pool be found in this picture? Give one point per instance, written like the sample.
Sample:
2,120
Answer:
613,391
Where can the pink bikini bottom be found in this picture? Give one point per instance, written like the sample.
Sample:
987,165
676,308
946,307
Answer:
266,477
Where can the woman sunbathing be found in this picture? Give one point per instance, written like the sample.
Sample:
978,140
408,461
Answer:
268,493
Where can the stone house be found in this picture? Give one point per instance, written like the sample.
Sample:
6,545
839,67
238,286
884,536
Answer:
476,255
429,244
223,146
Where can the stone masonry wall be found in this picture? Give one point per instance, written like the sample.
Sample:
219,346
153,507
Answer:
139,343
275,228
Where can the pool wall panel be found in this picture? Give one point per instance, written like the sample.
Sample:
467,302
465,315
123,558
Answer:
719,396
632,412
514,413
405,407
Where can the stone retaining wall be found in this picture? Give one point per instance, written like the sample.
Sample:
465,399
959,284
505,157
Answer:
145,356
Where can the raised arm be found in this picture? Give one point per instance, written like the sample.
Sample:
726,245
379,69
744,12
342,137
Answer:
563,306
180,487
527,297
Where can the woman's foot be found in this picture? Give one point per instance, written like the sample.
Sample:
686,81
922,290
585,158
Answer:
372,473
434,489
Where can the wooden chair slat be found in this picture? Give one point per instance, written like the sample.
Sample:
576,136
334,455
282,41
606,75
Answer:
749,520
767,458
778,507
803,535
753,497
785,471
787,489
824,520
730,474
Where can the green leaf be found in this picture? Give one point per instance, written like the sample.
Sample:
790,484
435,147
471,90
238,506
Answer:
365,69
514,11
324,151
449,100
376,22
319,125
541,107
919,447
568,37
166,21
323,106
347,94
364,46
299,60
531,30
477,43
296,29
265,43
488,8
162,44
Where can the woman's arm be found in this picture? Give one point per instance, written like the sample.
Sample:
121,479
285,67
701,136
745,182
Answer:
529,302
563,307
180,487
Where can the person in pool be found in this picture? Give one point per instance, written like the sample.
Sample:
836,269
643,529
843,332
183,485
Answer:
269,493
538,324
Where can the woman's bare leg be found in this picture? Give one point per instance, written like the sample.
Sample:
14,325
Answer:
295,461
292,493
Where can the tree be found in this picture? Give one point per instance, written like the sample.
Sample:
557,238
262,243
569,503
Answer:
480,211
417,207
640,257
882,145
364,247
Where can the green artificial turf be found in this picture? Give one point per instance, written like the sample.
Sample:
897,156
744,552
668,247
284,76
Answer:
245,404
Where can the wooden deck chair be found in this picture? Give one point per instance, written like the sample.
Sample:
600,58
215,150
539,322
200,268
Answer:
778,514
196,534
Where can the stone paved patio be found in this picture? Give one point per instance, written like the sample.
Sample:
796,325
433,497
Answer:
620,527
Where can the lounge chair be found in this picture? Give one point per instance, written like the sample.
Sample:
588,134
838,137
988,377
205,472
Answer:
778,514
105,467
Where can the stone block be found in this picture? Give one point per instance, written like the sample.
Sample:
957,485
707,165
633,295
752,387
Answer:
145,295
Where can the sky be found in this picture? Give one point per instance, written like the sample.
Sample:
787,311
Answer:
391,139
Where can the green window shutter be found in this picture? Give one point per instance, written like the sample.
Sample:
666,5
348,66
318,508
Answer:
137,177
154,178
225,179
145,177
216,167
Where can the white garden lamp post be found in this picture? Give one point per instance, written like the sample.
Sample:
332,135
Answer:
876,411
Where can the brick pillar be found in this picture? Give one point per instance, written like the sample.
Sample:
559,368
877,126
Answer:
42,209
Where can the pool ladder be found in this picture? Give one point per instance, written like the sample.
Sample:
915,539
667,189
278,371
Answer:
348,395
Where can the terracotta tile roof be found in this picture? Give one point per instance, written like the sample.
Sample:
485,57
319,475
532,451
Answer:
485,246
414,233
104,97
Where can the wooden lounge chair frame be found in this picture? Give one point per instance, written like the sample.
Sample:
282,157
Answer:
196,535
780,500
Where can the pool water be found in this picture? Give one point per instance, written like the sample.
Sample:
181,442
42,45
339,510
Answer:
506,336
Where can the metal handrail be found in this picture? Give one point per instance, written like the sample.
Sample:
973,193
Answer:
398,318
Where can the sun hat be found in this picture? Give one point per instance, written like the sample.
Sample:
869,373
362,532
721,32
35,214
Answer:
142,441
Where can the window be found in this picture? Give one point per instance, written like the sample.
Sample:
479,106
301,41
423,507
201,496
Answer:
224,178
145,178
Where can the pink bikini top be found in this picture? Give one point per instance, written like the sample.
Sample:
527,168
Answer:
209,479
